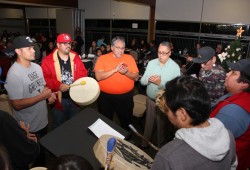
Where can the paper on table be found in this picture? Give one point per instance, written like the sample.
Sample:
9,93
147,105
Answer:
99,128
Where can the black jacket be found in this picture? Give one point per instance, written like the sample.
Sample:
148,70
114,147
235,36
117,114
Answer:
21,150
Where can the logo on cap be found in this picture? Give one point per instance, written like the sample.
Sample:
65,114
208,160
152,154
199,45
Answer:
66,37
29,39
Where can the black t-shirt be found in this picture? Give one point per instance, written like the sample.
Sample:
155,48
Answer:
66,74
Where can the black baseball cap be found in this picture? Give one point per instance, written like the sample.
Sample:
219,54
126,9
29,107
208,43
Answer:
242,65
22,41
204,54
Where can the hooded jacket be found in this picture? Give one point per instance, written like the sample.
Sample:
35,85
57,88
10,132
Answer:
212,147
52,72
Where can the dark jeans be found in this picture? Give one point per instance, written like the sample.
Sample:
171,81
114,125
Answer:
70,109
121,104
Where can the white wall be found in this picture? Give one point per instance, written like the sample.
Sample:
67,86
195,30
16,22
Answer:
227,11
178,10
216,11
106,9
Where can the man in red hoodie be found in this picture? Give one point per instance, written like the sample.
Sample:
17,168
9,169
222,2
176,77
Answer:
61,68
233,109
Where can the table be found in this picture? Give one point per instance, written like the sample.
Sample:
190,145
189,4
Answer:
74,137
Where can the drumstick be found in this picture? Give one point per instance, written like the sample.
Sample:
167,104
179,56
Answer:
138,134
110,147
77,84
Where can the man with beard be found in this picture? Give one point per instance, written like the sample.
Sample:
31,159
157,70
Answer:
61,68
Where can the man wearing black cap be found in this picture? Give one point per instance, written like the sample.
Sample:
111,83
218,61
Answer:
233,109
211,74
26,89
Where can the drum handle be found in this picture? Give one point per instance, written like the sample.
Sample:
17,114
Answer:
77,84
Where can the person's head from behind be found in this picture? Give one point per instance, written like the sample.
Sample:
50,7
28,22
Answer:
238,79
71,162
186,102
206,57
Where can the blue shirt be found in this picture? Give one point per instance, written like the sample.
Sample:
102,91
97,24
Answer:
168,71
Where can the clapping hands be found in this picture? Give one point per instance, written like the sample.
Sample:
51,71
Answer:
156,79
122,68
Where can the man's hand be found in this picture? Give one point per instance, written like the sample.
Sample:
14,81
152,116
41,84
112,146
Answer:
123,68
155,79
46,93
52,98
64,87
26,129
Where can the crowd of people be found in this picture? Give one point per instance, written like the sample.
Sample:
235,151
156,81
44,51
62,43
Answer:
201,117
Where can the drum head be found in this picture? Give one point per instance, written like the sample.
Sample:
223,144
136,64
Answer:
85,94
126,156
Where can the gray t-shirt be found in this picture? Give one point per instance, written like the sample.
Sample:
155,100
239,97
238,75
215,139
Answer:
26,83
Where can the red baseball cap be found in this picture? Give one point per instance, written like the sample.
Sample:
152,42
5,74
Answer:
63,38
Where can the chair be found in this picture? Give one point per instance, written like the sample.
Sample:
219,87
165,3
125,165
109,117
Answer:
135,55
139,105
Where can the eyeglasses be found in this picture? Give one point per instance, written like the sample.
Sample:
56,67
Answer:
163,53
66,43
119,48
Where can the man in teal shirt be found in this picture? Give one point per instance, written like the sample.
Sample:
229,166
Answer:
158,72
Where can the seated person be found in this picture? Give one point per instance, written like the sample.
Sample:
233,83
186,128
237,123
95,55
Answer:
200,142
22,146
233,109
108,48
71,162
92,49
103,49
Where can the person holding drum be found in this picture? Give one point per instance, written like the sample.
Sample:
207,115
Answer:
201,142
116,73
61,68
158,72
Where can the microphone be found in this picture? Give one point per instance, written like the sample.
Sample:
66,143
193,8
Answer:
138,134
110,147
